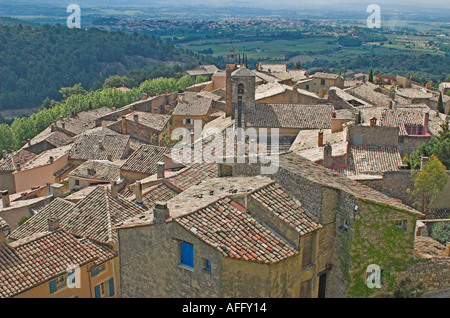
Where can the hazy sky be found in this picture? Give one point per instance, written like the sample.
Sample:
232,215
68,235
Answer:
260,3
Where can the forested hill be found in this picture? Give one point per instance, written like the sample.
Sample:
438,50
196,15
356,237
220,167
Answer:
36,62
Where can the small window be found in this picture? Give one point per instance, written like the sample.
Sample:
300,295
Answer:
207,264
77,182
401,139
187,254
104,289
187,121
241,89
401,224
307,87
322,82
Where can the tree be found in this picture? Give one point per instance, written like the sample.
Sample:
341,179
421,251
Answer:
441,232
200,79
428,182
440,104
371,76
115,81
66,92
298,65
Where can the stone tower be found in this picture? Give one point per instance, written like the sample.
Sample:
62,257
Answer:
230,68
243,93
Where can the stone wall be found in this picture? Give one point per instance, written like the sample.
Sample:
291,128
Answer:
431,275
374,136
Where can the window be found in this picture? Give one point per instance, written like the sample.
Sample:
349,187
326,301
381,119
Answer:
187,254
322,82
305,289
104,289
307,250
77,182
98,270
241,89
401,139
401,224
59,283
207,264
307,87
187,121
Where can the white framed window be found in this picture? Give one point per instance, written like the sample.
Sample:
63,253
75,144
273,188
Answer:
187,121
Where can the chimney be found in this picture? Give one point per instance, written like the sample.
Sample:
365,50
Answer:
136,118
327,156
52,128
426,117
5,199
160,212
124,125
110,158
18,167
51,159
447,250
53,223
373,122
29,142
144,96
160,170
57,190
3,233
63,125
423,162
114,189
320,139
138,192
100,144
333,114
4,154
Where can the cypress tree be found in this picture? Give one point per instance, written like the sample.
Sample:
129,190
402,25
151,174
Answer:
440,104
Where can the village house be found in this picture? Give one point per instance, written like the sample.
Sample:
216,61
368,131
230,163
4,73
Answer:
218,261
99,147
10,163
202,70
93,172
46,168
319,83
146,127
51,263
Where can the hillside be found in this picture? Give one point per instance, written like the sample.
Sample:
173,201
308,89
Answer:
36,62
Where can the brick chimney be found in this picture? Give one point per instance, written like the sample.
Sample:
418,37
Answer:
5,199
4,154
57,190
160,170
124,125
51,159
327,155
144,96
138,192
53,223
114,189
373,122
160,212
136,118
426,117
320,138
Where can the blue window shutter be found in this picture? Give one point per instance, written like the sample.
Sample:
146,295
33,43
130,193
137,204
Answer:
111,287
97,291
95,272
187,254
53,287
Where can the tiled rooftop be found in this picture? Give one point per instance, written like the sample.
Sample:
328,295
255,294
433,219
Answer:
426,248
192,104
38,222
12,160
275,200
316,173
401,118
101,170
154,121
145,159
298,116
45,158
412,93
194,174
161,192
94,216
83,121
236,234
373,159
98,147
39,258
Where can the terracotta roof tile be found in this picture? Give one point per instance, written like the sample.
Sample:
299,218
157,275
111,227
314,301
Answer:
192,104
37,259
11,161
98,147
236,234
101,170
145,159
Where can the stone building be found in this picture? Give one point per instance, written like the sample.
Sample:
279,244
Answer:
319,83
